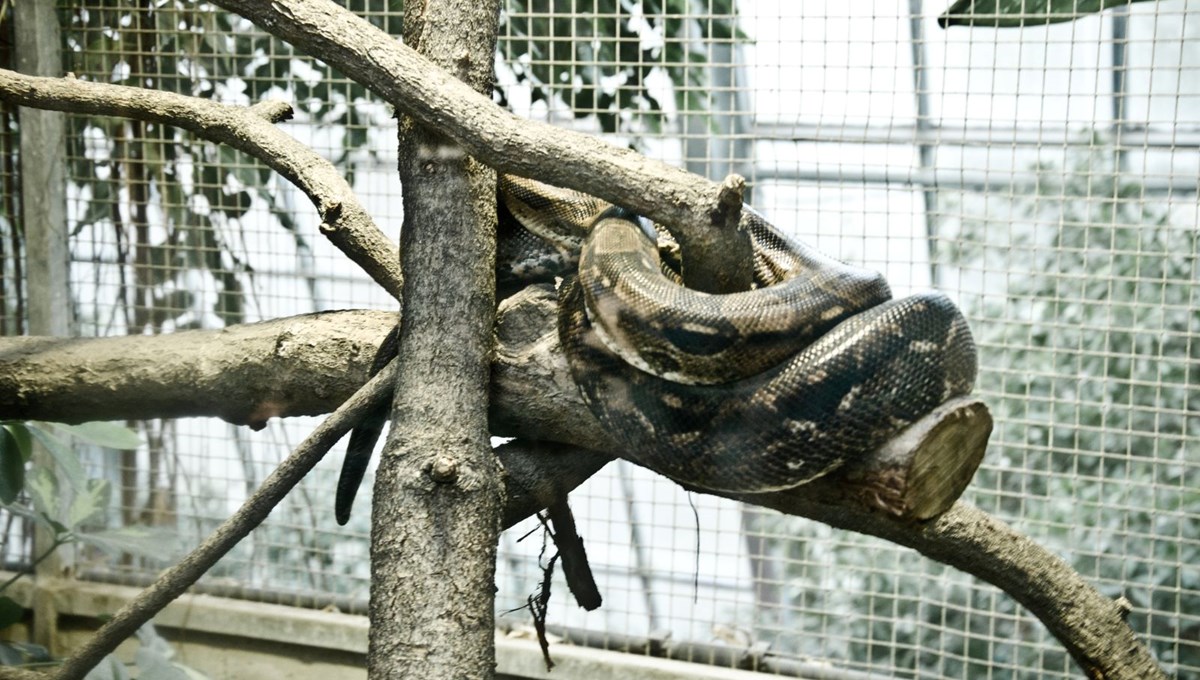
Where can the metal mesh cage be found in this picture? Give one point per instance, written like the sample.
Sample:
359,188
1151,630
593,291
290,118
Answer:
1044,177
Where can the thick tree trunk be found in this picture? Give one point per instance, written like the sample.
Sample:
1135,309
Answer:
438,495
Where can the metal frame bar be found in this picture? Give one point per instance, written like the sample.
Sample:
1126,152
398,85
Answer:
957,179
1132,136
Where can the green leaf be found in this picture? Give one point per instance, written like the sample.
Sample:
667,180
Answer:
150,542
22,654
20,432
10,611
60,530
1019,13
106,434
65,460
43,493
24,511
89,504
12,467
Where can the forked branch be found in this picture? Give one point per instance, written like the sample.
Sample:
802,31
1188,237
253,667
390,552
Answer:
251,130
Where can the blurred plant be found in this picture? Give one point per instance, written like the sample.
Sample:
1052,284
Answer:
1092,359
71,508
168,209
63,500
1086,323
153,660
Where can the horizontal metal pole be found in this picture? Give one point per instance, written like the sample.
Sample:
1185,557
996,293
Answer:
993,181
1129,137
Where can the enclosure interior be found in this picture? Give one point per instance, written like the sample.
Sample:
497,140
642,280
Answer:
1045,178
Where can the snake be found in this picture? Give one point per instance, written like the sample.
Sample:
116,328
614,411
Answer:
757,391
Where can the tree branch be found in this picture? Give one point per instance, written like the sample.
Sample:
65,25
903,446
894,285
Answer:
539,475
702,214
250,130
246,374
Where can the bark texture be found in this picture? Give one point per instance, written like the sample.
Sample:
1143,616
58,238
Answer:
301,365
438,496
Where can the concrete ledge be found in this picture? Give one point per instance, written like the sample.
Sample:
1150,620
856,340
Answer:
230,639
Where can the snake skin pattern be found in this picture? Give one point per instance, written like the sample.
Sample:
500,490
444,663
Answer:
756,391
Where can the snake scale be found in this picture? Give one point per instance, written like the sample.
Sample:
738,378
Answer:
756,391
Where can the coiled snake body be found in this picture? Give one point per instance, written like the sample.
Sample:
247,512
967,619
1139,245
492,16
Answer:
749,392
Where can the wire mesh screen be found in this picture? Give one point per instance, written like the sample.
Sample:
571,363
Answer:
1044,177
171,232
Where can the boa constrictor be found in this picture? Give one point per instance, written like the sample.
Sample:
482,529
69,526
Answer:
748,392
755,391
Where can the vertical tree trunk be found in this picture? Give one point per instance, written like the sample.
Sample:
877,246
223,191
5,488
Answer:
436,514
43,214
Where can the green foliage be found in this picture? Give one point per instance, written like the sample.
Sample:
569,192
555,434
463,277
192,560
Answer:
72,508
1108,299
597,55
174,203
15,451
63,501
1019,13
